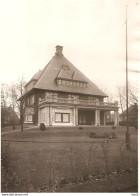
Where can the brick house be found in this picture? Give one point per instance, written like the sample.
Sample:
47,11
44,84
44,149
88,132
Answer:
61,95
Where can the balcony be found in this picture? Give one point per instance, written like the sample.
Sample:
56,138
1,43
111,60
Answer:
77,102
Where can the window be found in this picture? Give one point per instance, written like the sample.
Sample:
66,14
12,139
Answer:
84,85
31,100
81,84
59,81
83,97
42,115
57,117
30,118
62,117
67,82
63,95
63,81
66,118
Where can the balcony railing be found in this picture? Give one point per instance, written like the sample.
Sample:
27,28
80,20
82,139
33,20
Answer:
75,101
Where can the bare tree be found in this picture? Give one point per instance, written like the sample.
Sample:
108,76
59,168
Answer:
16,90
20,87
4,102
132,95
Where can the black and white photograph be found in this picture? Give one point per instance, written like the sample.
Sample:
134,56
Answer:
70,76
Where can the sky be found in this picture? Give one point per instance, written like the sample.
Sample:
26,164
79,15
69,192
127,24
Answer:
92,33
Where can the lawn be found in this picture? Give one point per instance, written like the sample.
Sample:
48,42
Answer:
34,160
10,128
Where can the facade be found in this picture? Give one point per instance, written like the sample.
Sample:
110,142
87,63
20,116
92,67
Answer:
61,95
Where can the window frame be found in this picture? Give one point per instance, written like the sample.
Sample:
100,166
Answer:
62,121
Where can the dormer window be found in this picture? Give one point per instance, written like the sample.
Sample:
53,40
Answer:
68,82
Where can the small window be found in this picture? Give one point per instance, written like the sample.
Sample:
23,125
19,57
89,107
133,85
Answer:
63,81
81,84
84,85
59,82
67,82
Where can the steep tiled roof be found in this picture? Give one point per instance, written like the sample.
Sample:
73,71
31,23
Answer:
35,77
60,67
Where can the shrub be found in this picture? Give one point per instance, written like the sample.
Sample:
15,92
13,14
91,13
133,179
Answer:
42,126
81,128
106,135
113,127
93,135
113,135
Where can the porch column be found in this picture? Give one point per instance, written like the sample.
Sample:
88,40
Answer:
97,117
76,116
50,116
38,116
116,118
104,119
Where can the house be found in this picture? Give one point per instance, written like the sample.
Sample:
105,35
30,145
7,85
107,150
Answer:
109,118
132,116
61,95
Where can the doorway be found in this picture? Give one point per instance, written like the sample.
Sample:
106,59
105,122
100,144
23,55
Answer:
86,117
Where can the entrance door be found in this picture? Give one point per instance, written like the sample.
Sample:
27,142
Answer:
86,117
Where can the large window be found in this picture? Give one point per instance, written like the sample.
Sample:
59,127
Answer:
62,117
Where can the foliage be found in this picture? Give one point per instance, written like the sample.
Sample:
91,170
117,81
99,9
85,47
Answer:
8,117
110,135
9,99
42,126
113,127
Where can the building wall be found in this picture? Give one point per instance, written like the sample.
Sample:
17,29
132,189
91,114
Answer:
50,115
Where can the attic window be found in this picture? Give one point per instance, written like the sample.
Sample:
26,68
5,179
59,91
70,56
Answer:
65,67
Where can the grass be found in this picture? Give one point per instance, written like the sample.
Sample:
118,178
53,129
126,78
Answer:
10,128
59,156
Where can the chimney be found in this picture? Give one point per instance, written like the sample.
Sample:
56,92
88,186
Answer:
59,50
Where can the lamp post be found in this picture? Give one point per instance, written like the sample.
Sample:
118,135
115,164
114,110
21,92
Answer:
127,120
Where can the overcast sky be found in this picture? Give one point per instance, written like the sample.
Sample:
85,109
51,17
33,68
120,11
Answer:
92,33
